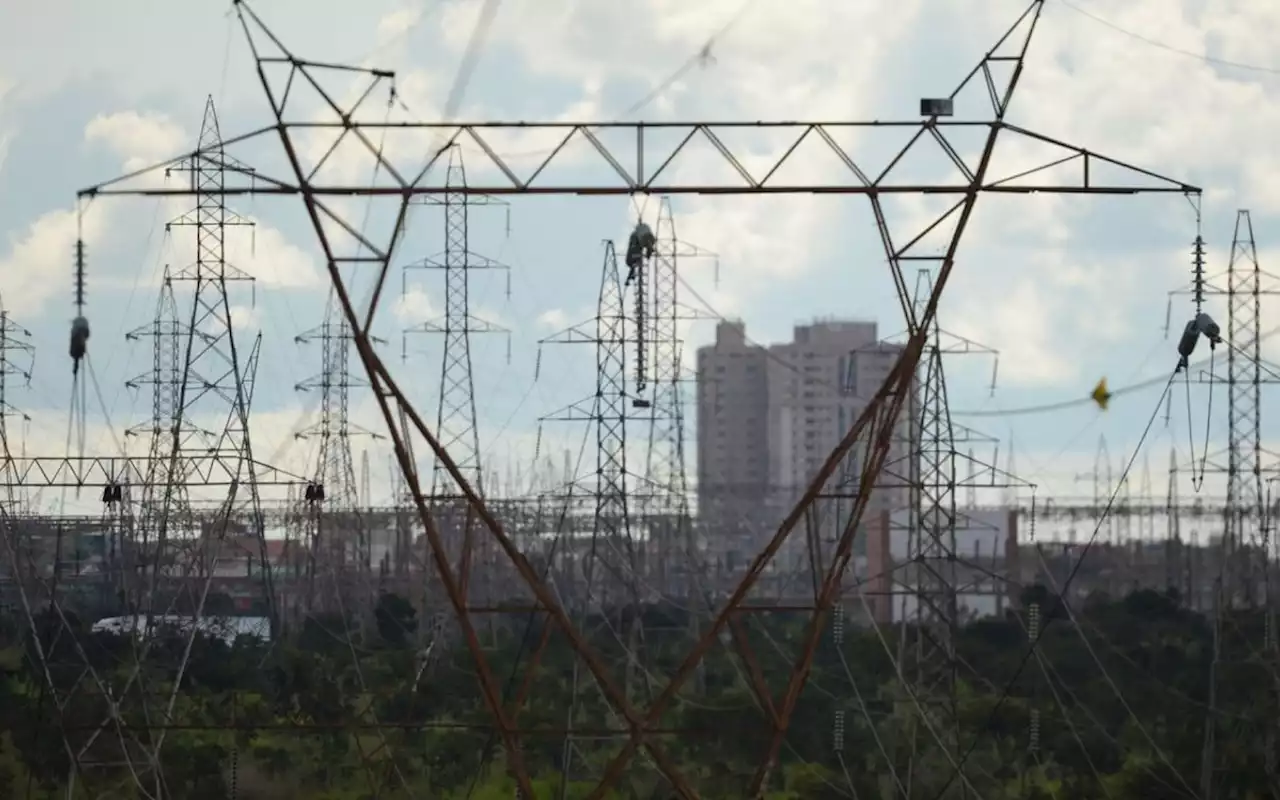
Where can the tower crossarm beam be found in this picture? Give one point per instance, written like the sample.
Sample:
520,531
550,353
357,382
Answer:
1084,510
77,471
611,177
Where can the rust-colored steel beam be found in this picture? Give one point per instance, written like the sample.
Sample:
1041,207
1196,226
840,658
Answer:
758,683
535,660
711,634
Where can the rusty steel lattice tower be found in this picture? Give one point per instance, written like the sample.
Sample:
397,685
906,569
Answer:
969,175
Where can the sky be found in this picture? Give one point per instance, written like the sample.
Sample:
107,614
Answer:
1066,289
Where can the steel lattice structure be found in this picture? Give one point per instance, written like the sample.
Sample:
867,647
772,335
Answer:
1242,286
336,534
605,575
666,475
345,247
456,403
16,358
166,333
932,546
215,384
456,407
1247,283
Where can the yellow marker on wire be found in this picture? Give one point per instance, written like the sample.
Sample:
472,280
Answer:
1100,395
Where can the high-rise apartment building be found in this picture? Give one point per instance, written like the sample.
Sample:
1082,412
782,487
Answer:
768,417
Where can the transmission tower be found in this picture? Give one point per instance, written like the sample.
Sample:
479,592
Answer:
603,572
933,503
331,497
630,170
668,518
17,357
1246,556
456,407
608,409
210,402
164,503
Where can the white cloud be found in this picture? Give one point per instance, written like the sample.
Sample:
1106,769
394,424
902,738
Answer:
399,22
140,139
247,319
554,318
43,251
274,261
45,248
415,307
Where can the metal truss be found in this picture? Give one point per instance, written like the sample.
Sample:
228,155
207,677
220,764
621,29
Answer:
456,410
607,575
1246,462
854,178
82,471
346,249
456,422
17,356
665,473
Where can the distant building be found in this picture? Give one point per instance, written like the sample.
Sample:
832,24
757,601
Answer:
986,572
768,418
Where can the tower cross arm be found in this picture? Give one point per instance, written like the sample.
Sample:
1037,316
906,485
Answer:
650,161
77,471
471,324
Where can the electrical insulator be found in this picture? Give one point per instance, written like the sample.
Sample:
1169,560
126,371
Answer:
837,624
1187,344
79,340
1209,328
1033,632
839,731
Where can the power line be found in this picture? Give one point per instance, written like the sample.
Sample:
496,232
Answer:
1088,399
1062,593
1159,45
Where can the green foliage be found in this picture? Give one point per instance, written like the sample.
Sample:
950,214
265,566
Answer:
334,710
396,618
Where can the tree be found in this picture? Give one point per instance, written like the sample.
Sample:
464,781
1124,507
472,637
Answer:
396,619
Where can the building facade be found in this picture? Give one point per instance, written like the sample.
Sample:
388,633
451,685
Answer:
768,418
